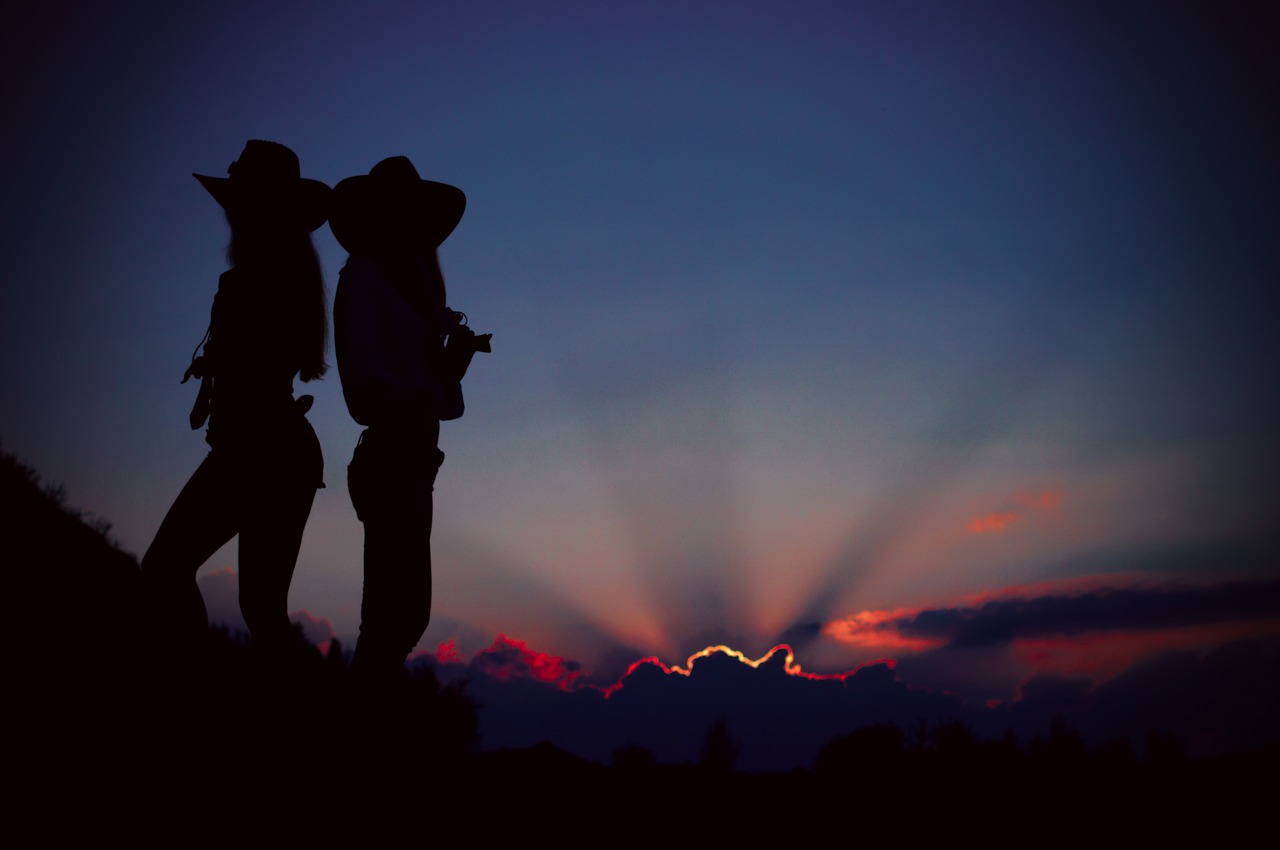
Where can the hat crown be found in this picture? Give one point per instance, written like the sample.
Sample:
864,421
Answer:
396,170
378,210
265,162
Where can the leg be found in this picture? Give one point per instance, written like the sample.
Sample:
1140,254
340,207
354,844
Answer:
269,544
201,520
280,487
396,506
396,605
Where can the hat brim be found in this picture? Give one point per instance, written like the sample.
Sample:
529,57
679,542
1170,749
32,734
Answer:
362,206
308,201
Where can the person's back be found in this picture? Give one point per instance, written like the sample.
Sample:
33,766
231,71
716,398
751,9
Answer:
398,379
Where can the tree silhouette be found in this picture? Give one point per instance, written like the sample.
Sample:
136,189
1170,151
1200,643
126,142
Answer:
719,749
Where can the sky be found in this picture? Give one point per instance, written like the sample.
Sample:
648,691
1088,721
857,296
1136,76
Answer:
813,322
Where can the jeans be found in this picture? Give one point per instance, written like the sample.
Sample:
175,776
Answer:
259,486
391,479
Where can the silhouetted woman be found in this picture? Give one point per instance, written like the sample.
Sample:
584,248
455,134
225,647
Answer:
401,354
264,465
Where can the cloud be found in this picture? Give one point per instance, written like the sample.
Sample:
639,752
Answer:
508,658
781,715
447,652
988,647
991,522
1046,501
317,630
1043,502
1002,620
880,630
1106,609
1224,700
1115,661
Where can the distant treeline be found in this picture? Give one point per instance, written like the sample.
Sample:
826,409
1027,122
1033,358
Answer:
230,732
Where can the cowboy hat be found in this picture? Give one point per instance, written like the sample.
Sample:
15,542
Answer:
268,172
369,207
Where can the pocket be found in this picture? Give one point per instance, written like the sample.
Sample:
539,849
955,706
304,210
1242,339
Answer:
390,478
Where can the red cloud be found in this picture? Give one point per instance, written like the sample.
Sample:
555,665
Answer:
447,652
991,523
1103,656
317,630
508,658
878,629
1048,501
1044,502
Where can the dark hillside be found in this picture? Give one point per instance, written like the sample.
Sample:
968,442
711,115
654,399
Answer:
74,589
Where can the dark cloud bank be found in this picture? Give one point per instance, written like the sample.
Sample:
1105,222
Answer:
1105,610
1225,700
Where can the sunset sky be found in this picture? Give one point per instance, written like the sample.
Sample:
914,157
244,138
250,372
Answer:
841,323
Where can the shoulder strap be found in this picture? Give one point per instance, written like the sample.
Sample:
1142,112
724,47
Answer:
200,411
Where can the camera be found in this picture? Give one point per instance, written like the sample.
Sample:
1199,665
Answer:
462,345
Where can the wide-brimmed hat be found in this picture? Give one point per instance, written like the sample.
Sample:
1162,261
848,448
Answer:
267,173
391,198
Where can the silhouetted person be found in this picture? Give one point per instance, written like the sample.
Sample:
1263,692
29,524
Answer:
402,354
264,465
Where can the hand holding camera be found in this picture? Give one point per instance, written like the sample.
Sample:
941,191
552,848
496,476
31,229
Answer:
462,345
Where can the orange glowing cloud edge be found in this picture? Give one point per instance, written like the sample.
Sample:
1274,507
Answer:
877,629
553,669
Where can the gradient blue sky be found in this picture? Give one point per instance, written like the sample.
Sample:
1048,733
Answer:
799,309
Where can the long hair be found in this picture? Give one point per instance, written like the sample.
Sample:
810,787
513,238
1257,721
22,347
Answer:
288,258
418,278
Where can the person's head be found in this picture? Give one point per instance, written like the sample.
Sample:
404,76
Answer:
392,212
272,212
264,189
